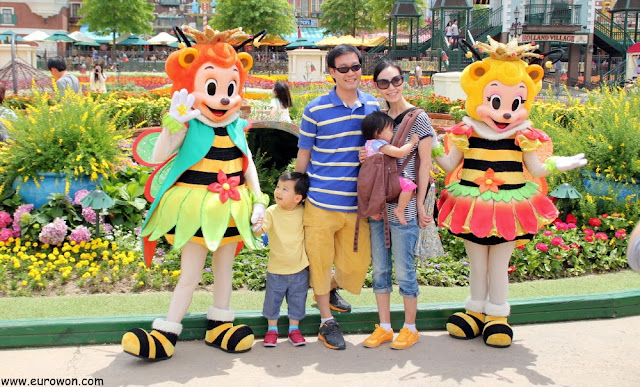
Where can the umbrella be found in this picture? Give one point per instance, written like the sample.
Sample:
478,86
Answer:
328,41
36,36
132,40
6,37
163,38
301,43
82,38
60,37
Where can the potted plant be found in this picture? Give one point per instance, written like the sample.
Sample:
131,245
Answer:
60,147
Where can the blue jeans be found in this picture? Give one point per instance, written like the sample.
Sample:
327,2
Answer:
403,243
292,286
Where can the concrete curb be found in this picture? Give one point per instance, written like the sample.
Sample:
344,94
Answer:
109,329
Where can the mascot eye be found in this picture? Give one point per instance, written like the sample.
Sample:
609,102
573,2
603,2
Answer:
495,101
517,102
211,86
232,88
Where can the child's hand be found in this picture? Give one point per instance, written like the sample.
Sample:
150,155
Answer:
362,155
414,139
377,217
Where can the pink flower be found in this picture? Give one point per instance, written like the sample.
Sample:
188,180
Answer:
556,241
564,247
80,234
79,196
575,246
571,225
54,232
561,226
595,222
589,238
602,236
18,214
5,234
547,233
89,215
621,234
542,247
226,188
511,269
571,219
589,231
5,219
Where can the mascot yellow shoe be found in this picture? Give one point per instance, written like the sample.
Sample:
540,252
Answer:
159,344
497,332
222,334
468,324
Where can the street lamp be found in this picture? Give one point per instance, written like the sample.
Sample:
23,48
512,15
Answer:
516,27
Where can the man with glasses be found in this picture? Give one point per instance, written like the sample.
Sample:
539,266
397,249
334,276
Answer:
329,141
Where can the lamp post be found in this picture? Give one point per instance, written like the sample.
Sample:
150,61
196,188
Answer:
515,30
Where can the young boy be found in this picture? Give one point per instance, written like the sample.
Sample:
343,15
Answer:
288,271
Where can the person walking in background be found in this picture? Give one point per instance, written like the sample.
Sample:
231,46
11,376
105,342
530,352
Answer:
98,80
388,81
64,80
418,74
288,270
455,34
5,113
329,141
281,102
447,33
558,73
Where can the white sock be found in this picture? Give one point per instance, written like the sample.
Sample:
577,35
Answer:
324,320
411,327
386,326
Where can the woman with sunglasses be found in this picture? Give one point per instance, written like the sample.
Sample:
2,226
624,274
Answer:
388,80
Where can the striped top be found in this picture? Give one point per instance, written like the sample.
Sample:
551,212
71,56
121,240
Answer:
504,157
223,155
422,128
332,131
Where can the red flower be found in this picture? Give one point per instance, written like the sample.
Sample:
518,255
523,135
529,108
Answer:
602,236
561,226
595,222
565,247
575,246
571,219
520,247
621,234
542,247
589,232
589,238
556,241
488,182
571,225
547,233
511,269
226,187
605,216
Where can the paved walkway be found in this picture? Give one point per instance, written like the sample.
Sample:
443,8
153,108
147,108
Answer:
581,353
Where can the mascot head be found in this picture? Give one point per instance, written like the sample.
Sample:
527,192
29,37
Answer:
500,88
212,71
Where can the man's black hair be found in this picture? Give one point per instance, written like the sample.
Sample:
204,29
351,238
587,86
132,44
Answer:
56,63
341,50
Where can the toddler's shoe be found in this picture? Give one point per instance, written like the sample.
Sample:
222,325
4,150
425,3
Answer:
296,338
271,339
405,339
379,336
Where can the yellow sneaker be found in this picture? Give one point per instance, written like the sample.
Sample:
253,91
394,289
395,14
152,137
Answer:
379,336
405,339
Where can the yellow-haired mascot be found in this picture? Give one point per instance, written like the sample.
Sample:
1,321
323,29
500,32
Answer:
205,187
491,199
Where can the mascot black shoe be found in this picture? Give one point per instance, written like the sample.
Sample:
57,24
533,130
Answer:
468,324
159,344
222,334
497,332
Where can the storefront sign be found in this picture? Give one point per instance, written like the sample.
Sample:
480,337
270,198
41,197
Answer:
575,39
307,22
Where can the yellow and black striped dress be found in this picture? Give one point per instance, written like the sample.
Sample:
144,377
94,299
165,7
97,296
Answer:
189,207
493,202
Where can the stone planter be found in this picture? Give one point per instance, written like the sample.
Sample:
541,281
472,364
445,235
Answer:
51,183
441,121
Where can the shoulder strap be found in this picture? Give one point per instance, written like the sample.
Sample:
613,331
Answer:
404,129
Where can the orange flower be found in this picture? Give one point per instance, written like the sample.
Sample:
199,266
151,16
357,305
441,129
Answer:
226,187
489,182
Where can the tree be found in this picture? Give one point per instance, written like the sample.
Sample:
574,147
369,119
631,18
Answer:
342,17
275,16
116,17
380,10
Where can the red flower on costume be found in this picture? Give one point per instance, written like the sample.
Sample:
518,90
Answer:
226,188
489,182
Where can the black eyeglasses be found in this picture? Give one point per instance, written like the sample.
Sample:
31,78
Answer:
343,70
395,81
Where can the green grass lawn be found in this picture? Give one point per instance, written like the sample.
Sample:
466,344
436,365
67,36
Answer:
158,302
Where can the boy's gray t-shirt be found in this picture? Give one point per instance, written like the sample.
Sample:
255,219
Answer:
68,81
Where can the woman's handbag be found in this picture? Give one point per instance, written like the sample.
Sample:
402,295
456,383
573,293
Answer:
429,245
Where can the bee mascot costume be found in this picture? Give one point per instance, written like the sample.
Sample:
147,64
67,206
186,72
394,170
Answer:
492,199
205,185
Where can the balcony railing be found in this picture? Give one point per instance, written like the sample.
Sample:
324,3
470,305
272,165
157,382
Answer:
552,14
9,19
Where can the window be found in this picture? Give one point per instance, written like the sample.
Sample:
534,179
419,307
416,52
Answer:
75,9
8,17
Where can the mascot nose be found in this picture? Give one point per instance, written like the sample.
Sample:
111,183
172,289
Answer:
225,101
505,115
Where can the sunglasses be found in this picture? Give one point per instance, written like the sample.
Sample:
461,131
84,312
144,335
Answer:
395,81
343,70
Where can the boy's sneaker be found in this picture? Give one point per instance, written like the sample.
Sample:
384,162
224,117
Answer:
405,339
296,338
331,336
271,339
379,336
337,303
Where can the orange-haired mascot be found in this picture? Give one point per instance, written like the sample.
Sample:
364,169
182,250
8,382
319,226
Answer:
490,200
206,188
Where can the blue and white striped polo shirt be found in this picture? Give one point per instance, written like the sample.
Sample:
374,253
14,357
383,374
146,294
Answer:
333,133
